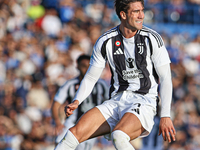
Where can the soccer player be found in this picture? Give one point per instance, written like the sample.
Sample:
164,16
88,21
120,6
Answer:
66,93
139,62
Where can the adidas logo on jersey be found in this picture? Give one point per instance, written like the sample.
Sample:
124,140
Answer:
118,51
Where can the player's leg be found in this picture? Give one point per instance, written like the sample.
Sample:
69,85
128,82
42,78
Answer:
61,135
128,128
86,145
90,125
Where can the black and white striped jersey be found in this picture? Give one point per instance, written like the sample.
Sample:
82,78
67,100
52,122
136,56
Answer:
69,88
132,60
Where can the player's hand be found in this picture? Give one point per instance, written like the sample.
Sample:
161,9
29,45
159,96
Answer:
166,127
71,107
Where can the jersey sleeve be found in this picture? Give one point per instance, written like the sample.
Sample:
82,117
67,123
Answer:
164,74
61,94
98,59
87,84
160,54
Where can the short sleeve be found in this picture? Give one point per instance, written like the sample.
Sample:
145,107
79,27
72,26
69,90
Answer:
160,54
97,59
61,94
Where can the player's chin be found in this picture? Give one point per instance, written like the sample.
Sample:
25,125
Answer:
139,26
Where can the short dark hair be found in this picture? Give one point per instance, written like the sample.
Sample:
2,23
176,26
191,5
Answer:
123,5
83,56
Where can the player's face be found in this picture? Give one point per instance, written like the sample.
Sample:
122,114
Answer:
135,16
83,66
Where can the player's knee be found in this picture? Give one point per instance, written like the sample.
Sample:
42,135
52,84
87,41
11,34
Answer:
77,132
119,135
121,140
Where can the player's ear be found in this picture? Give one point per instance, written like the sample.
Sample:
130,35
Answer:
123,15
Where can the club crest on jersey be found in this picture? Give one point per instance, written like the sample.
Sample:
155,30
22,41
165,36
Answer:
141,48
117,43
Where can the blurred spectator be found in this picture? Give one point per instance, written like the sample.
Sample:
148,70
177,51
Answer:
51,23
36,10
37,96
66,10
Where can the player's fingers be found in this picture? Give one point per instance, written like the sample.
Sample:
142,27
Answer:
68,111
173,133
163,134
159,131
68,114
168,136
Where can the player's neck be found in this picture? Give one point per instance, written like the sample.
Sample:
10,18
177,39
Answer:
126,32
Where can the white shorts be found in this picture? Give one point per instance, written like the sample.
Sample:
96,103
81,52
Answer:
141,106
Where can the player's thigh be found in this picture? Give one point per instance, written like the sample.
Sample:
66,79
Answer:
90,125
131,125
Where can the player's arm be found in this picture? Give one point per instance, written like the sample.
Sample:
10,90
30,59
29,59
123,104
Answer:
85,88
59,100
166,126
55,115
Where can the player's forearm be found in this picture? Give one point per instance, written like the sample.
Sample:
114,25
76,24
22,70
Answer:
55,112
166,96
88,83
164,73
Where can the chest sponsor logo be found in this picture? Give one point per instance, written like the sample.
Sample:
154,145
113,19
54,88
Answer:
130,63
133,73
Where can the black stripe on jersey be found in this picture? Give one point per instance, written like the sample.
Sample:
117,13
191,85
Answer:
111,83
156,35
119,61
103,49
141,63
69,98
151,51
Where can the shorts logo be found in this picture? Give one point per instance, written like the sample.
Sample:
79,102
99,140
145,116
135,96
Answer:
137,110
117,43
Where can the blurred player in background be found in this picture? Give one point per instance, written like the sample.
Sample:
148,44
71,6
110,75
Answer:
66,94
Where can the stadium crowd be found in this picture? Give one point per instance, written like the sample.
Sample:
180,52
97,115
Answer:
40,41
